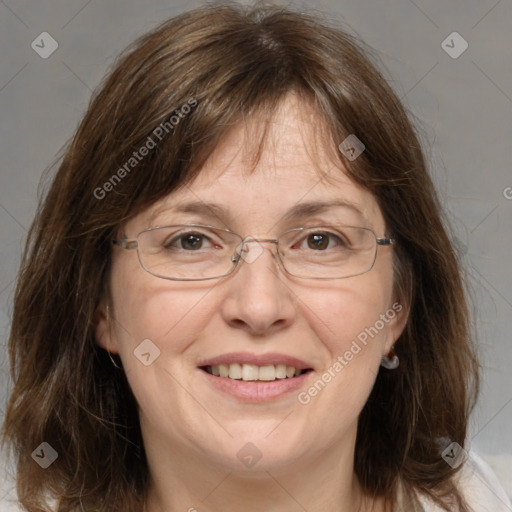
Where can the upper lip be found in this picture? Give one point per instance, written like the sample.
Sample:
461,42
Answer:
256,359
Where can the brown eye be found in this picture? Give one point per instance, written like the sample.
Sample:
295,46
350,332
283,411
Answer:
191,242
318,241
186,242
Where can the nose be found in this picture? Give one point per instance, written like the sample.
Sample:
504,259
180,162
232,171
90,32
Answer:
258,298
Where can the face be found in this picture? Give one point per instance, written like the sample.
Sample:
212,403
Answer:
337,330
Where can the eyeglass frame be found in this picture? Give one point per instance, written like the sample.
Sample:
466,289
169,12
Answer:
130,244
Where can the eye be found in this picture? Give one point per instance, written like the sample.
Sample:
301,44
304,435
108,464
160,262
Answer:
318,241
322,241
191,241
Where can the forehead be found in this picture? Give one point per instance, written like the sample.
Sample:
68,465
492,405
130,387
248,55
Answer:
293,138
294,168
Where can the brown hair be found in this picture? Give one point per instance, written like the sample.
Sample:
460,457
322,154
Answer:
231,61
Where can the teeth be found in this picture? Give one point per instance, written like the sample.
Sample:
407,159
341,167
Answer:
235,371
281,371
251,372
268,372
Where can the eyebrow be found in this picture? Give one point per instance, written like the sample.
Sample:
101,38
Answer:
212,210
298,212
303,210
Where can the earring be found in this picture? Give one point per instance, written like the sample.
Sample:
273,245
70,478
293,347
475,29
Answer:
390,361
113,362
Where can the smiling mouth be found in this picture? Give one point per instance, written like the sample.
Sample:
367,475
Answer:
252,372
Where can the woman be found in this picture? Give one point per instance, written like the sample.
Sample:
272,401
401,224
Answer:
238,293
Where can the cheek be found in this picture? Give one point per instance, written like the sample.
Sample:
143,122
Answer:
162,320
348,322
169,316
158,317
349,312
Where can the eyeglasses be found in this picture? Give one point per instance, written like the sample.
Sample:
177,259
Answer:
195,252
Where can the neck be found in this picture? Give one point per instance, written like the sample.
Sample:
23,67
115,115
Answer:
184,480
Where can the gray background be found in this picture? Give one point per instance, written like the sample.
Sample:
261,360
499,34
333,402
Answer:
463,107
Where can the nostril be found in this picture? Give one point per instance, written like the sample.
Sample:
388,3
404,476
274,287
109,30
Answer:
237,322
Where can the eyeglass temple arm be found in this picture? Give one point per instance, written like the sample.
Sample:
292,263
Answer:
385,241
125,244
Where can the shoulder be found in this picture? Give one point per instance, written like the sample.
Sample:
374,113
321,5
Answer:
479,486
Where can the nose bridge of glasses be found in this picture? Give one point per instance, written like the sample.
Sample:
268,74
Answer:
248,239
250,255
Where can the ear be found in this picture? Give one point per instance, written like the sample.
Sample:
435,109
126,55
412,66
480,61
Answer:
398,314
103,328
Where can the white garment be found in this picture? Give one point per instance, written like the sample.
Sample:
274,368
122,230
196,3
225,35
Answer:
479,486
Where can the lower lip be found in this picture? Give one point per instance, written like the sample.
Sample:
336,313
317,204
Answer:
256,391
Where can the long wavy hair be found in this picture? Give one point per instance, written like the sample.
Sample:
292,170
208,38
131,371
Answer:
227,62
